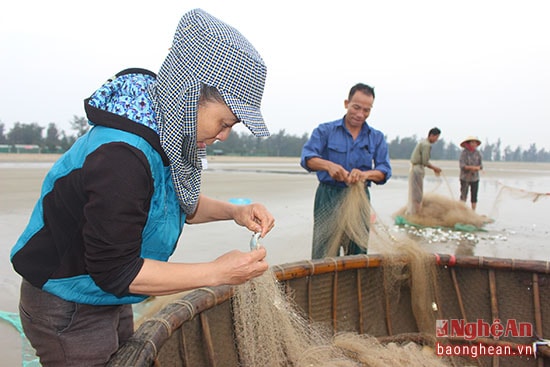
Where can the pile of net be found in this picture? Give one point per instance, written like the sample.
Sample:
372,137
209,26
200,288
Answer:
271,331
441,211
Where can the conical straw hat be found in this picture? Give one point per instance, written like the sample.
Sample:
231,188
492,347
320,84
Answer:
470,138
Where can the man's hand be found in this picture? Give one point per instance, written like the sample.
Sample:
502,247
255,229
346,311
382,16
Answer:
355,176
337,172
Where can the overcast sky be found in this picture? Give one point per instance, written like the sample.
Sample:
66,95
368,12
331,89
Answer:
469,67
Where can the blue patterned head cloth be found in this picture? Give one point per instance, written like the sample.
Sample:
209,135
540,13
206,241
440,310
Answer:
127,94
204,51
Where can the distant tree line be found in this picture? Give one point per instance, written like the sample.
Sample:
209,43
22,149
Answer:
280,144
442,150
244,143
52,140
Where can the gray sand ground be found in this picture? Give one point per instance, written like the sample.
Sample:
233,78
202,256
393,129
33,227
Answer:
520,230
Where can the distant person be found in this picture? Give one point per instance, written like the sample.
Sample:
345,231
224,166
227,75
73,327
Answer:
420,158
113,207
344,152
470,164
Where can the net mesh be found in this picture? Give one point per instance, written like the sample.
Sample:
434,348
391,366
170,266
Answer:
440,211
270,327
271,331
353,214
506,192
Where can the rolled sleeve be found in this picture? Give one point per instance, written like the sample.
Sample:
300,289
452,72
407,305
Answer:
313,147
382,160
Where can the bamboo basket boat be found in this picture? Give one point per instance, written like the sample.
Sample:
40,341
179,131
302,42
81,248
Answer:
348,293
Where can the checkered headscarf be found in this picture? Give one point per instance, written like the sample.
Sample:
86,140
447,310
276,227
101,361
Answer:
204,51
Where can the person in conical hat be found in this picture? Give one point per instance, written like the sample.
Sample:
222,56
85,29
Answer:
470,163
113,207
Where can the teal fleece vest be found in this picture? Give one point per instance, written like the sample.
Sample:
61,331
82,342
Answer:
161,232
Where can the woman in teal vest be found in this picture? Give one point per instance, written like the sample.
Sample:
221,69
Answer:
113,207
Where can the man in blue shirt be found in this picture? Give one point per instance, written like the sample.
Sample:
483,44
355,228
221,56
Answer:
342,153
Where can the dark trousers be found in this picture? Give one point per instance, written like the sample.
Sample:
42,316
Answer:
66,333
473,186
327,198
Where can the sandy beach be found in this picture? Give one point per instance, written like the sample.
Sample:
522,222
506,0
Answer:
520,229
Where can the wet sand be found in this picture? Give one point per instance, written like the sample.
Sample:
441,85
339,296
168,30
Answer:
520,229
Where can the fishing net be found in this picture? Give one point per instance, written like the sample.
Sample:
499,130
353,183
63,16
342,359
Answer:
382,314
440,211
271,331
506,192
350,221
434,209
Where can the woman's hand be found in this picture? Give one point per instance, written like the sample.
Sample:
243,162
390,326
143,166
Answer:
255,217
157,278
236,267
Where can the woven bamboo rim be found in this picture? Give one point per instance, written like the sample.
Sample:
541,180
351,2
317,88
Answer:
153,333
